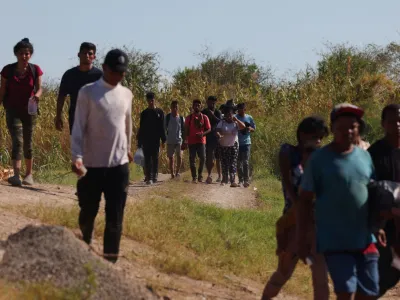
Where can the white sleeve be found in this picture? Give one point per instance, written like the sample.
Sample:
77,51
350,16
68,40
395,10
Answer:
128,124
79,127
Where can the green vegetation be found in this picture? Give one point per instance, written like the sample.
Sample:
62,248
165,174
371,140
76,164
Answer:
365,76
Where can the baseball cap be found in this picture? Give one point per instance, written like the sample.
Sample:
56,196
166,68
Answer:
117,60
346,109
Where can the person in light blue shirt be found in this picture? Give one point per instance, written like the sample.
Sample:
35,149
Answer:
244,144
338,175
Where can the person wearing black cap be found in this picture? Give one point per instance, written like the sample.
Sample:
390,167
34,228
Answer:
151,131
101,143
385,154
338,176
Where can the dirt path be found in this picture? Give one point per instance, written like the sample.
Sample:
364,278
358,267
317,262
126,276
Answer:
171,285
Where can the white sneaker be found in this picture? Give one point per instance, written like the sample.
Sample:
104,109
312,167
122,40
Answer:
14,180
28,180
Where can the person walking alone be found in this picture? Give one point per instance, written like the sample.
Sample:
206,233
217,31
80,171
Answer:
197,126
244,144
101,141
175,127
151,131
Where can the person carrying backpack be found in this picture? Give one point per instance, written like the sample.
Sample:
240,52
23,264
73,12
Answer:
21,82
197,126
175,130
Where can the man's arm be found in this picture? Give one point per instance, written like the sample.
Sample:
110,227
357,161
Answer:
252,127
38,88
207,126
79,127
62,95
2,88
128,128
140,131
304,206
187,129
163,135
286,174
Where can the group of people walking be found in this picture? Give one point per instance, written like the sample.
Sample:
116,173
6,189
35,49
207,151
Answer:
100,126
220,139
328,218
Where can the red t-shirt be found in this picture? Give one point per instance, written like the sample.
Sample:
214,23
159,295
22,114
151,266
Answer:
197,124
19,89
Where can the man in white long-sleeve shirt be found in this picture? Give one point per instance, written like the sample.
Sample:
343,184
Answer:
101,140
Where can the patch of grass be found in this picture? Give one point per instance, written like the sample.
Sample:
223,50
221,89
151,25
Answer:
198,240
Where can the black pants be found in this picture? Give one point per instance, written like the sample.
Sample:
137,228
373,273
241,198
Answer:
151,153
20,125
200,150
113,182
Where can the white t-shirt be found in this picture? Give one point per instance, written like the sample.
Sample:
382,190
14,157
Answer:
229,132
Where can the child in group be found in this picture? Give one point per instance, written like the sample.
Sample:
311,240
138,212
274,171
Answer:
292,160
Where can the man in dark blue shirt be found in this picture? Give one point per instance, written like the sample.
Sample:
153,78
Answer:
74,79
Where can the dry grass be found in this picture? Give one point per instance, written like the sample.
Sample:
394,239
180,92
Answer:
197,240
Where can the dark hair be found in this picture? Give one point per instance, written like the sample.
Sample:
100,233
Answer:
87,46
212,98
23,44
389,108
241,106
228,109
196,101
150,96
313,124
174,103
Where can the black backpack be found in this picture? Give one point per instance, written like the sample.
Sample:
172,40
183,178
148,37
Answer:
383,195
168,117
11,73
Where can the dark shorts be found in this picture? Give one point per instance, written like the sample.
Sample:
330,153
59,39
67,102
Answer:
354,272
212,151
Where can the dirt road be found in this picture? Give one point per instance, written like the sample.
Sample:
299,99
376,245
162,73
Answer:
170,285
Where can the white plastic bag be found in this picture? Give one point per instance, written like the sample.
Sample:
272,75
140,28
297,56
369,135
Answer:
138,158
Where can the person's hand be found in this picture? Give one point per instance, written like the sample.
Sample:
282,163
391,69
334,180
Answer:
130,156
234,118
381,236
199,134
77,167
184,146
36,98
58,122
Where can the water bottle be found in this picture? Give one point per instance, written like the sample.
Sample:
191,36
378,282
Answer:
32,106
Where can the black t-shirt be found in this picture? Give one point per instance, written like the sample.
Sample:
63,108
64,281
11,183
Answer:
214,120
71,83
386,160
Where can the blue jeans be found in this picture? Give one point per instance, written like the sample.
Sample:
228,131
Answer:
243,163
354,272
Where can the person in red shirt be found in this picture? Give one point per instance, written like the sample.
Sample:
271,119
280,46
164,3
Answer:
20,82
197,126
